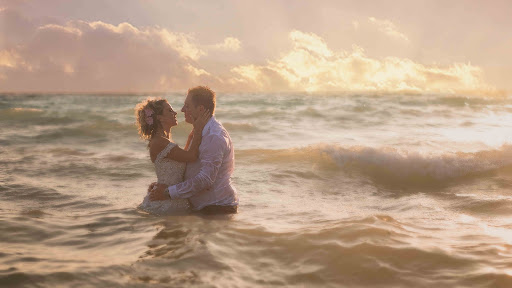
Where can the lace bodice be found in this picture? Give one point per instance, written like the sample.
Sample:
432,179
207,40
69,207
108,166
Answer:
168,172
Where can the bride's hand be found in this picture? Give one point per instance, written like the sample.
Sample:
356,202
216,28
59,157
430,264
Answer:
151,186
158,193
201,121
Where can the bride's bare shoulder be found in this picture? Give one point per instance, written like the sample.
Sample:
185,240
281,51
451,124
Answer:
156,145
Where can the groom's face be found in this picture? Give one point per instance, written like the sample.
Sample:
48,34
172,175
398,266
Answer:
190,110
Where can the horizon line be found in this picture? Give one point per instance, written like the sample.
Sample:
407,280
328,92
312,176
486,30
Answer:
496,93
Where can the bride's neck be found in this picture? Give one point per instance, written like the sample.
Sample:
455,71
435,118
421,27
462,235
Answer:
165,133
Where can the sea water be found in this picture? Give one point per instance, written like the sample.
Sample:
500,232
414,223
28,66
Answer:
338,189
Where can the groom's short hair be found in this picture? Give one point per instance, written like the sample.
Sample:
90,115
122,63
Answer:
203,95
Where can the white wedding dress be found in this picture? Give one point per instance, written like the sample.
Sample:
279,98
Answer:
168,172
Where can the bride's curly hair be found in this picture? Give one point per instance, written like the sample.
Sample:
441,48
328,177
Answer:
145,113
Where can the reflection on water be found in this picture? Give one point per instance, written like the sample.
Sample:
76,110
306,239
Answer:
182,248
168,241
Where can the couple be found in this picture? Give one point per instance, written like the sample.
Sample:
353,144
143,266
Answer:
198,177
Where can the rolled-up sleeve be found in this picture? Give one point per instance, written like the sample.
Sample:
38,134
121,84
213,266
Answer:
211,153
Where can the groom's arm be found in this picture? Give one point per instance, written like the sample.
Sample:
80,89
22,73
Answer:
211,157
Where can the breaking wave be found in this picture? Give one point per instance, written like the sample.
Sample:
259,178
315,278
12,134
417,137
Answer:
392,165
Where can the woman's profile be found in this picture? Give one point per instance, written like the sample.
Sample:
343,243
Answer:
155,117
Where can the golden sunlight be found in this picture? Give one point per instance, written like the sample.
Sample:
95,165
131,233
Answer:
312,66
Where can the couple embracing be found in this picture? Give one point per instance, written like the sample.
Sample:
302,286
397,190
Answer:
197,177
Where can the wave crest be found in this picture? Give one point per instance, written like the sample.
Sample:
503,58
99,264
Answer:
391,165
443,166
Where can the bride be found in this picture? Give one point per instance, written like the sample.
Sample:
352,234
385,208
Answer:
155,117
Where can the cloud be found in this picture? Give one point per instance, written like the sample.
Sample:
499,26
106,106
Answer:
96,56
197,71
11,3
312,66
230,43
309,42
388,28
9,59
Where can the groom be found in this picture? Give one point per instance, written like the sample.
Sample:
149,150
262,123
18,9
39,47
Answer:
207,185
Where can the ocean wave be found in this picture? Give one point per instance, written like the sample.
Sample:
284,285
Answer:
94,131
240,127
480,204
24,116
391,165
23,192
63,162
96,168
348,251
20,113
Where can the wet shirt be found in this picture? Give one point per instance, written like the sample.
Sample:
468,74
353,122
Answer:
208,180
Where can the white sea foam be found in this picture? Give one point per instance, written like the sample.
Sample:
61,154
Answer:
404,163
389,162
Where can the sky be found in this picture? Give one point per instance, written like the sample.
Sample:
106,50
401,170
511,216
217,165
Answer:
456,46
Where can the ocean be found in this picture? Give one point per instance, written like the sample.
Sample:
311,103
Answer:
336,190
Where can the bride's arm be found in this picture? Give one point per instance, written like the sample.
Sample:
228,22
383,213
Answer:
189,140
191,155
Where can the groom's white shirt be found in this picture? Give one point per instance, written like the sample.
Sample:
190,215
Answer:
208,180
